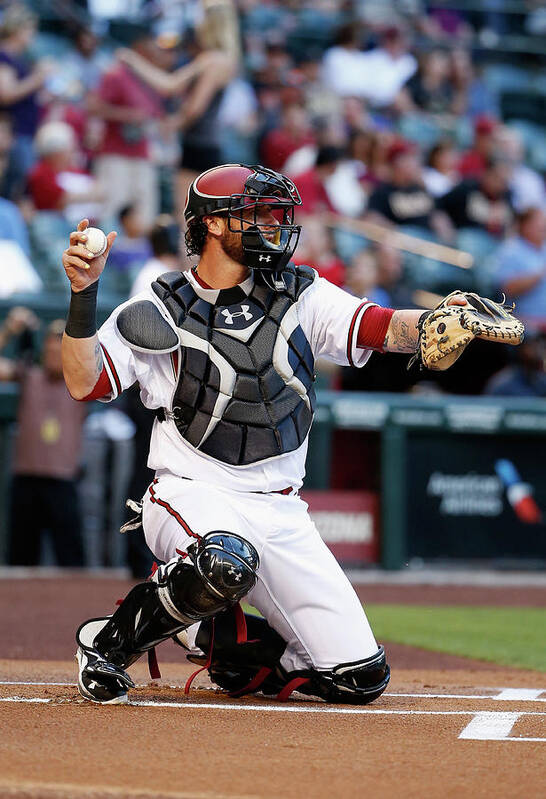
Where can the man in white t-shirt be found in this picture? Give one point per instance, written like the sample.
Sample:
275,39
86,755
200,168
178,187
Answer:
225,355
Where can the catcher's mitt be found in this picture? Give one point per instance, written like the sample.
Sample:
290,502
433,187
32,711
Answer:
445,332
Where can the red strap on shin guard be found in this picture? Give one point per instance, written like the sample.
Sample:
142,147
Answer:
254,684
153,665
240,622
293,685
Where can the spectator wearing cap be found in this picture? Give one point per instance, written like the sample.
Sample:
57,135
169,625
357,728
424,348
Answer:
20,82
474,161
403,199
482,203
57,183
521,265
164,242
46,460
128,108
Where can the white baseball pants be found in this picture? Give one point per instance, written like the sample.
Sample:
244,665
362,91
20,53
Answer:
301,589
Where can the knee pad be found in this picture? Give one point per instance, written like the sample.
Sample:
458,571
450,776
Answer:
356,683
218,571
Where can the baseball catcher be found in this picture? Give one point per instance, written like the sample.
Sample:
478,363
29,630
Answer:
224,353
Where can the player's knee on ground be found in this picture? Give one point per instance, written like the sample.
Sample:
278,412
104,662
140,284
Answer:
244,653
356,683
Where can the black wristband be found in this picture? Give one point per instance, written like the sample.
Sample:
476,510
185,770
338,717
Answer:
424,315
82,314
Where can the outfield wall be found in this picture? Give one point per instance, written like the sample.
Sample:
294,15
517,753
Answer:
392,479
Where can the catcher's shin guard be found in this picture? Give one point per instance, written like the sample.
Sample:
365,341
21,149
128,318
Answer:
218,570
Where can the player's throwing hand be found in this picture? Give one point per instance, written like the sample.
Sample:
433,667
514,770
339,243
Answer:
80,264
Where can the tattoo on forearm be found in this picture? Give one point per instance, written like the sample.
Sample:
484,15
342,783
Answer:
402,335
98,358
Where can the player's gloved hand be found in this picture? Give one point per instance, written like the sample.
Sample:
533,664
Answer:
81,265
445,332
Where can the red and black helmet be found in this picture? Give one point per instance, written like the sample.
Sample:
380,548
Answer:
236,189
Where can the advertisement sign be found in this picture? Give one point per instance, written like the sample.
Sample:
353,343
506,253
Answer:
348,523
472,496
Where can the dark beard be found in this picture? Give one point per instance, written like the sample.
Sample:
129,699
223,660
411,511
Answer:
232,245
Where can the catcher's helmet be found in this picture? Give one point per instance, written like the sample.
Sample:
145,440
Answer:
232,190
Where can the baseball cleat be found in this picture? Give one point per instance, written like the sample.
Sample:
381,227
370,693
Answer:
98,680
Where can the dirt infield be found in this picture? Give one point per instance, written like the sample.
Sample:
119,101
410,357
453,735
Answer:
446,727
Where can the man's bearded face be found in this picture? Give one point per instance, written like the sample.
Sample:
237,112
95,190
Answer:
232,245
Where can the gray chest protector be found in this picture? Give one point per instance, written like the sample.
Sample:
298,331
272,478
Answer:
245,389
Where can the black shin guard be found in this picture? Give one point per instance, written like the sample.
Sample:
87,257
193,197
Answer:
139,623
218,571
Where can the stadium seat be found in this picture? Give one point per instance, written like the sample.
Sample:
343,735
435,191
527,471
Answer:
49,232
420,129
507,77
347,244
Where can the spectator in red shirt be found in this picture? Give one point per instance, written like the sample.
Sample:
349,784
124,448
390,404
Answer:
128,106
56,182
316,249
293,133
311,184
474,161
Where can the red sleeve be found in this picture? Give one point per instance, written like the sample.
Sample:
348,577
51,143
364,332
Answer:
108,89
373,328
44,189
102,387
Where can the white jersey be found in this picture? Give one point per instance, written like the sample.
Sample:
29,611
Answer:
330,319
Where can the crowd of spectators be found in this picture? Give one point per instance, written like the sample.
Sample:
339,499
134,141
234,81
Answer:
408,115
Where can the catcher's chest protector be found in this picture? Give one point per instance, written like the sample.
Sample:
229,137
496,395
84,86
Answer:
245,391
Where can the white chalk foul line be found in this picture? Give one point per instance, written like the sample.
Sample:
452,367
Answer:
275,708
494,727
505,695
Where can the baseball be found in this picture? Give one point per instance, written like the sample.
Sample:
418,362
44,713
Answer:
96,241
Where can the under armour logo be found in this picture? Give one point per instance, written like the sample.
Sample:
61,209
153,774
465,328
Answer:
236,573
231,316
265,258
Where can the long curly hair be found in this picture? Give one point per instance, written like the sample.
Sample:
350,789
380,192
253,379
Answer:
195,237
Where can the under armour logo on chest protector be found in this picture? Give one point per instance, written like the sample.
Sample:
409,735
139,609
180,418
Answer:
231,315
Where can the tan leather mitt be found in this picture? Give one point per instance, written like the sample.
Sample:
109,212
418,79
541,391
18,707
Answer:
445,332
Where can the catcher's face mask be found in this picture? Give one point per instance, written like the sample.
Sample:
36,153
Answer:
259,204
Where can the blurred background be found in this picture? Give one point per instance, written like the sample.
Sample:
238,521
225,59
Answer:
415,134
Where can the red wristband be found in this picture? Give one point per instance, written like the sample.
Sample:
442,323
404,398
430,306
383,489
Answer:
373,328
